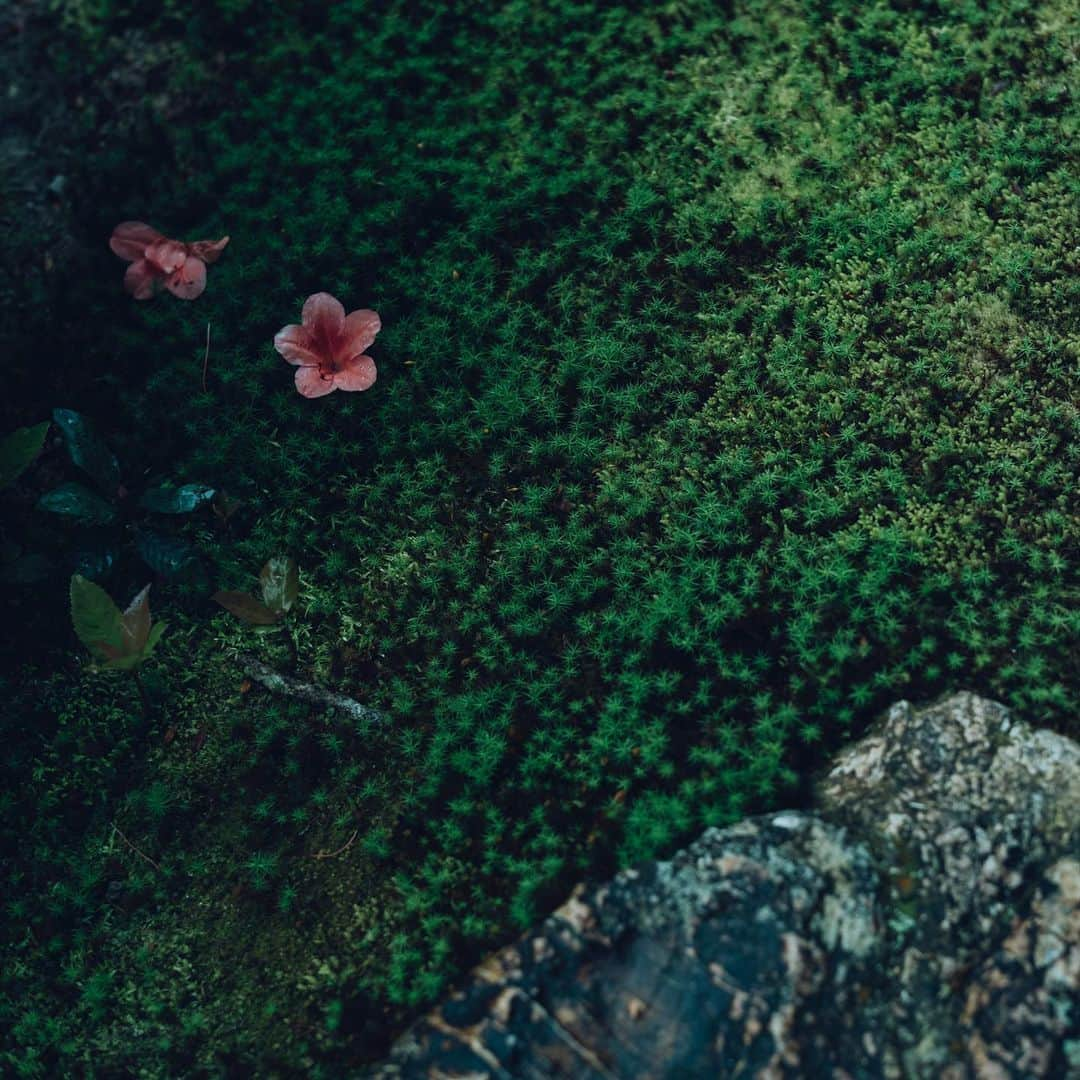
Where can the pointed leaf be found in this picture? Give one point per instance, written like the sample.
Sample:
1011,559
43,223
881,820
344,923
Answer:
88,450
128,661
78,502
136,622
280,583
19,449
155,636
166,499
97,620
246,608
167,555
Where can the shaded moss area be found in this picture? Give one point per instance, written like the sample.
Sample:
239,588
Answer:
726,394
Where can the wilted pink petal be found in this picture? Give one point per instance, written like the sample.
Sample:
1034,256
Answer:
181,266
356,374
189,280
208,250
139,279
358,333
130,239
167,256
311,383
295,344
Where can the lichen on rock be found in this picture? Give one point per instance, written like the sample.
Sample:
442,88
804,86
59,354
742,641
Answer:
922,920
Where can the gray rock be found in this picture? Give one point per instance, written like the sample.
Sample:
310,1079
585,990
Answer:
924,921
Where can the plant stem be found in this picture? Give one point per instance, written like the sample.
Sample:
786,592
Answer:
294,658
142,692
206,357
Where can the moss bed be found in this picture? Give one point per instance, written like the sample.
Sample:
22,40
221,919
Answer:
727,393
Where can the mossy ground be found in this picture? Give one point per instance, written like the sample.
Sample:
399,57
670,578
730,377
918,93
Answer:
726,394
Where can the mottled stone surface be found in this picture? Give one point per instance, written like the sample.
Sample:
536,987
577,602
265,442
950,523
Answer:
924,921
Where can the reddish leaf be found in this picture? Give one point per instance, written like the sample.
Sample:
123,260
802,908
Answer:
247,608
104,649
136,622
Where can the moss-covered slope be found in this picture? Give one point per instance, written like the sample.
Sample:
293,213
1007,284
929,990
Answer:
727,391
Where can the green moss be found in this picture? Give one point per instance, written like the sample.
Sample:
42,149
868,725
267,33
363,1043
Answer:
726,394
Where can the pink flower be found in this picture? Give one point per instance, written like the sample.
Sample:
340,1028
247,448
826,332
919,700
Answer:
328,348
155,258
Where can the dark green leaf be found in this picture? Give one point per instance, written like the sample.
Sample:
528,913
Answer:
176,500
280,583
96,619
18,449
75,501
246,608
168,556
88,450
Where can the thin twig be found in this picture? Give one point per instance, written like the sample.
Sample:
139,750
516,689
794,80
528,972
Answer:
340,851
277,683
142,855
206,357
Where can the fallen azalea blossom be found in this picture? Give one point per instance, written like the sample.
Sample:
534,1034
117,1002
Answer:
154,258
328,348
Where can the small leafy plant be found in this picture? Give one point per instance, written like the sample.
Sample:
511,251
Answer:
279,582
106,514
118,641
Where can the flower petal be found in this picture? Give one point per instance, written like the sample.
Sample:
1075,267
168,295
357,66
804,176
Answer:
168,255
323,316
130,239
189,280
311,384
139,279
356,374
358,333
208,250
296,345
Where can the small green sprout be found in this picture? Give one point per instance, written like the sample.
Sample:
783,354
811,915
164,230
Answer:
118,641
